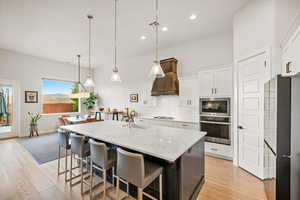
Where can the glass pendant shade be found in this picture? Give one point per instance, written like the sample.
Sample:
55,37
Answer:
89,83
156,70
115,76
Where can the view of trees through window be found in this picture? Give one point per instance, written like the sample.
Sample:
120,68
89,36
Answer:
56,96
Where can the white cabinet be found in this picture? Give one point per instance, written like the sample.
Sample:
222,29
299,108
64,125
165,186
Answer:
218,150
206,83
188,92
216,83
291,55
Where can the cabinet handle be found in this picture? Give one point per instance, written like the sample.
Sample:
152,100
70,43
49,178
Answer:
288,67
212,90
213,149
215,90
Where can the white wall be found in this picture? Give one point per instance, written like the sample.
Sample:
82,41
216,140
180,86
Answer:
207,53
287,18
192,56
28,71
117,96
253,27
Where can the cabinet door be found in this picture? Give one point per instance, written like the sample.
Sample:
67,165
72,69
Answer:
223,82
188,92
206,84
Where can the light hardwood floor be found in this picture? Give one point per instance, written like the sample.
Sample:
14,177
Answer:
21,177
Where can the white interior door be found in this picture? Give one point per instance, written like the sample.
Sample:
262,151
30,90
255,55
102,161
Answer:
9,124
252,73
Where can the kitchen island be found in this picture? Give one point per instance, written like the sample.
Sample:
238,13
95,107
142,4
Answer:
179,151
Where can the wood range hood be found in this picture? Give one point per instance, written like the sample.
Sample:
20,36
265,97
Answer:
168,85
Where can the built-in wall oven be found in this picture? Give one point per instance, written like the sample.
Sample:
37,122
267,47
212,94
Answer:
215,119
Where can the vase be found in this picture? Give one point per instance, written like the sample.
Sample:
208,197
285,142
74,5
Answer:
33,130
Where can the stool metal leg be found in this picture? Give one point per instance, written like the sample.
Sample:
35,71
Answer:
140,194
113,176
91,183
104,184
58,167
66,165
118,188
81,175
160,187
71,171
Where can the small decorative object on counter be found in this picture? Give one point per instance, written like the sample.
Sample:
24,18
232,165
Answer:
34,118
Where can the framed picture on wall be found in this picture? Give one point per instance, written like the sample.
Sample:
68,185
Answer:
134,98
31,97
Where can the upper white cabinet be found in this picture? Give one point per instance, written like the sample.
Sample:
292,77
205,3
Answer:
206,83
291,55
188,92
216,83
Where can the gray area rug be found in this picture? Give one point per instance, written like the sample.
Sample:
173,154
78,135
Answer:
43,148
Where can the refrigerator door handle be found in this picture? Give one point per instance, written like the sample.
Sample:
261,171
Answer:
287,156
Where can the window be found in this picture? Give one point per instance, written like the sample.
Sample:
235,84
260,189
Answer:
56,96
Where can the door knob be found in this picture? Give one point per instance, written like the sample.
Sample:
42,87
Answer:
240,127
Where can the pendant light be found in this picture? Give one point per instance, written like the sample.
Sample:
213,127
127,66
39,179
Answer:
115,72
82,90
156,70
89,83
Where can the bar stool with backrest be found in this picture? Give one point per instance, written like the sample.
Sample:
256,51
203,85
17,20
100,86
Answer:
81,149
135,170
102,159
63,143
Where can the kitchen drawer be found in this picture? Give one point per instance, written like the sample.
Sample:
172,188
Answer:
218,150
176,124
186,125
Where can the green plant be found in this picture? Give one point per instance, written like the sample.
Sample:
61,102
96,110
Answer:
90,102
34,118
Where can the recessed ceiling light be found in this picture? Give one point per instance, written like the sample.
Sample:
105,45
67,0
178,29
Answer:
143,37
193,17
164,28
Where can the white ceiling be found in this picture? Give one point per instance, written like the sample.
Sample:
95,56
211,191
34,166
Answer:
58,29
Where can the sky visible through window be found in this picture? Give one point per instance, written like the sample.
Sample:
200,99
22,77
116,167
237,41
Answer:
57,87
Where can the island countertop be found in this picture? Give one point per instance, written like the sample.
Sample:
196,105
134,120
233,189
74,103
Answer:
166,143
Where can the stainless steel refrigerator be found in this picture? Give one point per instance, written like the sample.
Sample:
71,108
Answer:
282,138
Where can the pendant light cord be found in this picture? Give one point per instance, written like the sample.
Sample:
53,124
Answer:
115,39
78,60
156,30
90,36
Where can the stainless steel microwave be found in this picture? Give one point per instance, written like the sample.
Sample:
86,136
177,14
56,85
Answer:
215,106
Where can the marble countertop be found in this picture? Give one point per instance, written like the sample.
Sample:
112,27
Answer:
169,120
167,143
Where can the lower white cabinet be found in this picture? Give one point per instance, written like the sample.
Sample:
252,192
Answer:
219,150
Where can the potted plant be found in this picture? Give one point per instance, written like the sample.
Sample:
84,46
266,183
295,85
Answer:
34,118
90,102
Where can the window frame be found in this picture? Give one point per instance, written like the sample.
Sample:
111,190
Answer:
60,113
